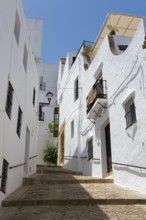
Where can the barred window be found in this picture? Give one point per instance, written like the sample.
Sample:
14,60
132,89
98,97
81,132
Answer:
130,114
76,89
4,175
56,121
19,122
9,101
42,84
34,94
90,149
41,113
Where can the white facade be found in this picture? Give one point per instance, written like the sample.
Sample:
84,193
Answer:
124,75
19,69
48,74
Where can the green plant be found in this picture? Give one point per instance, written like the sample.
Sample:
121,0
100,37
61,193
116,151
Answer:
86,52
112,29
52,125
50,153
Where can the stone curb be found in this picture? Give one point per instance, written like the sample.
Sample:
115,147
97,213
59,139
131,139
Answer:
14,203
33,181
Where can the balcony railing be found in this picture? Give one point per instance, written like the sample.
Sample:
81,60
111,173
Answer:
85,43
98,91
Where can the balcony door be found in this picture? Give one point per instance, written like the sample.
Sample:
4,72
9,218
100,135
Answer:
108,148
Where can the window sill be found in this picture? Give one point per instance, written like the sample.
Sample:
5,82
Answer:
131,131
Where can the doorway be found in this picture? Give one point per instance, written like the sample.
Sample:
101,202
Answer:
26,156
62,149
108,148
61,144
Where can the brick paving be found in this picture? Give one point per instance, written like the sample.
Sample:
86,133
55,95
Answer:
77,201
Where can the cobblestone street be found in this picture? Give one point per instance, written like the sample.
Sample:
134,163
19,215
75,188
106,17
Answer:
58,194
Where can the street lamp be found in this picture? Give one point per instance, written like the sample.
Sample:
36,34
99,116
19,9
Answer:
49,96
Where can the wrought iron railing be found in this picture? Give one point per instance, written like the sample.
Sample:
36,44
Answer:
98,91
85,43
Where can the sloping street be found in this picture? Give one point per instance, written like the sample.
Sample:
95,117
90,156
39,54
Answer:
54,193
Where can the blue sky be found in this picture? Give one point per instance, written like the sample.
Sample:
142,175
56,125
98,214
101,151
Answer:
66,23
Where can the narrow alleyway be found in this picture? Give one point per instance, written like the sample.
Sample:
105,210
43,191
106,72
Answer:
54,193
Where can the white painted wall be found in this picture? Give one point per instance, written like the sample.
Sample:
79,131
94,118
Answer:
50,76
35,27
12,148
123,73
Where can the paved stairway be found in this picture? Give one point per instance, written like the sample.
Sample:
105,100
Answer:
54,193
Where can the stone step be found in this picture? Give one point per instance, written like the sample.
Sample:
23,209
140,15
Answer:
68,212
61,202
73,194
49,169
63,179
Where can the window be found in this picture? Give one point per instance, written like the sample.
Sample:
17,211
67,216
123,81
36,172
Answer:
17,28
9,100
56,121
90,149
72,129
34,94
19,122
130,114
25,58
4,175
76,89
123,47
42,84
41,113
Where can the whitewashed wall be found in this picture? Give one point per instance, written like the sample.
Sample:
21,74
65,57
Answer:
12,148
50,77
124,73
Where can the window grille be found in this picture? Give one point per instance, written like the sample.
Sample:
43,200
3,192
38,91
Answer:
41,114
76,89
90,149
42,84
130,114
4,175
19,122
9,100
34,94
56,121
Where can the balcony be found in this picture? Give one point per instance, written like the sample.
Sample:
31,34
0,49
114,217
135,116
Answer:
96,98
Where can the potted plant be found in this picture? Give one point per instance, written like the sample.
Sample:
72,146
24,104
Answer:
86,52
52,125
50,153
112,29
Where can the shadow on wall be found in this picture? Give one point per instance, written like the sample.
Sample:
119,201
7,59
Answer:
129,170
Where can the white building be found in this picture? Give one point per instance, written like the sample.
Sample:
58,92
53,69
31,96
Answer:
19,86
48,76
102,105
